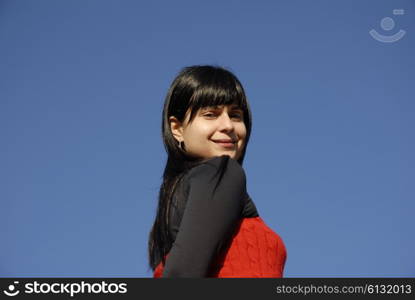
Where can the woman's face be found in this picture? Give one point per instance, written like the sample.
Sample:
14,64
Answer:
214,131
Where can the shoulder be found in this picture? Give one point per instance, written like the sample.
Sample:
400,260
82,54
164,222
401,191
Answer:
218,166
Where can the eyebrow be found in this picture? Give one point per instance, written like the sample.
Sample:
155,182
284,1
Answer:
233,107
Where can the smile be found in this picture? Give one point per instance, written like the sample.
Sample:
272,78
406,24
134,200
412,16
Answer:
225,144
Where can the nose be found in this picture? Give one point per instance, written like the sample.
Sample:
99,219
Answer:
226,123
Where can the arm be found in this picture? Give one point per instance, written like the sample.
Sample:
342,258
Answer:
210,217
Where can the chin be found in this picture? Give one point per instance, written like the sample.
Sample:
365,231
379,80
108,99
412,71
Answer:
230,154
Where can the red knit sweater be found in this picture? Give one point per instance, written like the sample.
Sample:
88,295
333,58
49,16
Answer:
255,251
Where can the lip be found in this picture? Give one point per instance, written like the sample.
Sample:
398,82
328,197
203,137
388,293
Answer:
225,143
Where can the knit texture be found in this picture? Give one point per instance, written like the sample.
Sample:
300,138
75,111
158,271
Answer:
255,251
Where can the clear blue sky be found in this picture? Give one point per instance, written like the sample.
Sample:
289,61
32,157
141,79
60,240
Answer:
330,164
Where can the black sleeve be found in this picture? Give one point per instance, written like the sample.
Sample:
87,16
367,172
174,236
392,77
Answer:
213,208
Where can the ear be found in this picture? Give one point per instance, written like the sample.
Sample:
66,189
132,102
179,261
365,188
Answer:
176,128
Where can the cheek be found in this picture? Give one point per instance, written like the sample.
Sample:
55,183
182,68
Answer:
207,128
200,131
241,130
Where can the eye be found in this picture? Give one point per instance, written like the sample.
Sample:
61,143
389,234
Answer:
237,116
209,114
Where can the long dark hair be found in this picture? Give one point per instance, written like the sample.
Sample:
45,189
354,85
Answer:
193,88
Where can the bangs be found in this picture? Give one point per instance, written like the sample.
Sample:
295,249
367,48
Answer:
219,91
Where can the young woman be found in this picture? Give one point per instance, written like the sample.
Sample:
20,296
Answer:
206,223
